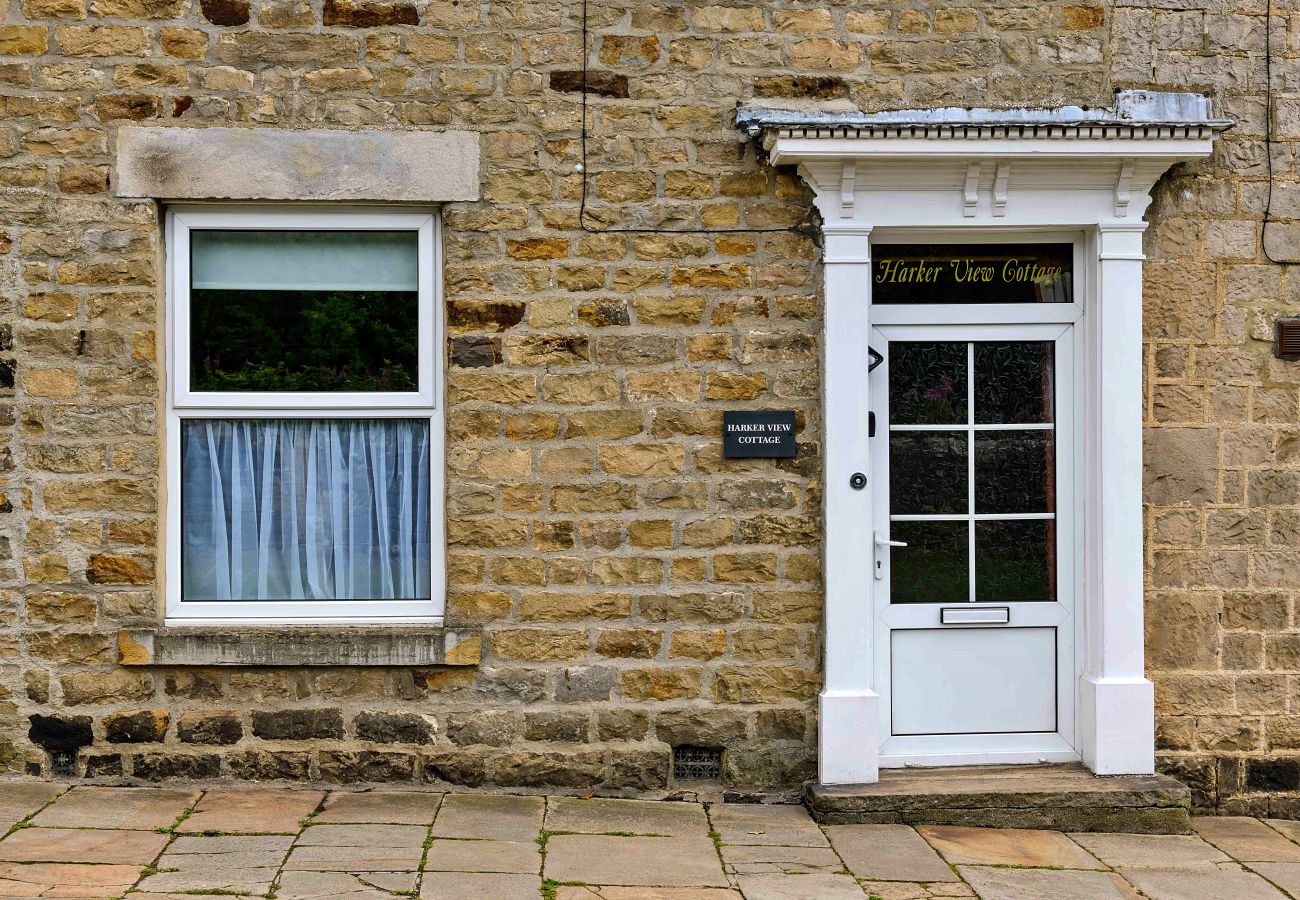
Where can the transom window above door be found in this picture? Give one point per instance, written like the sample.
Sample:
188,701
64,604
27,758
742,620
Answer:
304,440
973,470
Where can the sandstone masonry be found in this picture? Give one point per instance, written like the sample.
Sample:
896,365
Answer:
635,591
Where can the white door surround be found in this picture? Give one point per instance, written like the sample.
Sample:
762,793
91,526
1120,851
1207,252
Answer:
1016,173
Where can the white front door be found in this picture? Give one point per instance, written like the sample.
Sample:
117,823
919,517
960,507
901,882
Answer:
973,558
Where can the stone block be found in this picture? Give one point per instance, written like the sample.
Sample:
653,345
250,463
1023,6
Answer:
298,724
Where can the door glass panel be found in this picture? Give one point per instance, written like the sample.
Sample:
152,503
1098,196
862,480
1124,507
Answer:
927,383
1015,471
935,565
1015,560
1013,382
928,472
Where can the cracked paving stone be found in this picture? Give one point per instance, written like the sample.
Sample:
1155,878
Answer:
767,860
1007,847
20,799
72,845
752,824
251,810
603,816
888,853
140,809
479,886
910,890
331,858
645,861
1037,884
447,855
367,886
1247,840
488,816
1284,875
799,887
66,880
379,808
612,892
245,864
1199,884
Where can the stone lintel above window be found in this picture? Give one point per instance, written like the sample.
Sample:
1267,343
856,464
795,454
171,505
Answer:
296,164
281,645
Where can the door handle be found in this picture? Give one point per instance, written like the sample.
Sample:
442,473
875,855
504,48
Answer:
882,543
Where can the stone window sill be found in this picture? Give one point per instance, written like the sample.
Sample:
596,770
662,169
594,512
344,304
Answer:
342,645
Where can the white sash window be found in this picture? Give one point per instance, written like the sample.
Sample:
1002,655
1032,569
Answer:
304,437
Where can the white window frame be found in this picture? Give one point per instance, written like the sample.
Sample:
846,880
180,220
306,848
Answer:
182,404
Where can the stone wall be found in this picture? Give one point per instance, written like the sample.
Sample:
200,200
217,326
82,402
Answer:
636,590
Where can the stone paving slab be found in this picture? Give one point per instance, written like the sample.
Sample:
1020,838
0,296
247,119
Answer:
745,823
252,810
1245,839
333,858
614,892
799,887
888,853
478,886
65,880
911,890
643,861
321,885
1007,847
490,816
385,836
141,809
70,845
1284,875
447,855
1038,884
1199,884
20,799
1151,851
630,816
380,807
245,864
766,860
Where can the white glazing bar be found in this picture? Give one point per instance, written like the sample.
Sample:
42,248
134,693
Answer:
978,517
970,466
1028,426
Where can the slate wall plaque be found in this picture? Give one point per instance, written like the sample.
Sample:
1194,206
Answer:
758,433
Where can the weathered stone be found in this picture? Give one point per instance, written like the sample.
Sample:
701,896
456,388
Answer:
148,727
198,727
394,728
298,724
60,734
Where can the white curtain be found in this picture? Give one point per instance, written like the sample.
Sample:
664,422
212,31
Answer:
305,509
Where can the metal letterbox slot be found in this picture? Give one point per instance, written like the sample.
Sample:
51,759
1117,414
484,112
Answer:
979,615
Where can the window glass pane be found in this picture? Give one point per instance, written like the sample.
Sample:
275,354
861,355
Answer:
927,383
305,509
934,566
304,311
1015,472
927,472
1014,382
972,273
1015,560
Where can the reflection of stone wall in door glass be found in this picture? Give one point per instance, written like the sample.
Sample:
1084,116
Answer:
972,273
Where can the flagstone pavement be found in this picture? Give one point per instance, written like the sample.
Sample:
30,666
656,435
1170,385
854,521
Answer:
175,843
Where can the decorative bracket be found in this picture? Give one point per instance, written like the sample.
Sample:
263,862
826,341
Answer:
1000,189
1122,186
971,196
848,174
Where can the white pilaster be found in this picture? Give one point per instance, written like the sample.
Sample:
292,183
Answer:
848,738
1117,713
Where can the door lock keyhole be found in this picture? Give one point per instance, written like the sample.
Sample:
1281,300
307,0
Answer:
857,481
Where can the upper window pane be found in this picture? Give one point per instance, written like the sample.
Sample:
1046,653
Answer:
301,311
972,273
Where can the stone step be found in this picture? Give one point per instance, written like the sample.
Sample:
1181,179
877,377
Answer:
1059,797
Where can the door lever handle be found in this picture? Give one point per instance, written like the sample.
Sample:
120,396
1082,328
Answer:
881,543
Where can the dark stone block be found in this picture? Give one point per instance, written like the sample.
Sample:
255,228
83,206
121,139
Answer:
298,724
367,765
622,725
369,14
59,734
144,727
6,337
393,728
602,84
1272,775
217,728
466,769
810,87
161,766
229,13
103,765
475,351
7,368
496,314
262,765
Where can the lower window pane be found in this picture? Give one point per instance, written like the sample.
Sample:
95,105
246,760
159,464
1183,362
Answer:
305,509
933,567
1015,560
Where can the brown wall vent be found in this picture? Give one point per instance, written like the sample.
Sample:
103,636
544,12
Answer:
1286,338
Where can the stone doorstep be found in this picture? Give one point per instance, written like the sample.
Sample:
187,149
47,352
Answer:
1059,797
